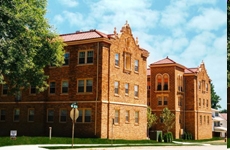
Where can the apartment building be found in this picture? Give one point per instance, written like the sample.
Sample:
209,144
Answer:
104,73
186,92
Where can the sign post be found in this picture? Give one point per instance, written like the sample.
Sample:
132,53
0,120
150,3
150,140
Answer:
74,114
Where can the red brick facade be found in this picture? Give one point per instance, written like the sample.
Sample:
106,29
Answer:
95,61
186,92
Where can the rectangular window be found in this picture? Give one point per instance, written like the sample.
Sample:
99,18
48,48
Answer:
117,117
66,59
200,119
204,119
203,102
32,89
30,114
199,102
127,61
85,57
136,65
116,87
52,88
65,86
127,116
2,115
117,59
16,114
136,90
165,100
136,116
63,115
4,89
126,88
159,99
208,119
199,85
85,115
206,86
50,115
207,103
85,85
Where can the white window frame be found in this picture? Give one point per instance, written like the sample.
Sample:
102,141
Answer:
136,64
30,115
85,81
62,90
86,53
136,90
66,59
127,116
47,115
63,114
127,88
117,59
116,87
83,115
117,116
137,115
52,87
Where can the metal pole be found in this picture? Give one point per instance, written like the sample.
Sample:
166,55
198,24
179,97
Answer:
73,128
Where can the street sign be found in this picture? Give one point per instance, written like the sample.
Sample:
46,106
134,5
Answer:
74,114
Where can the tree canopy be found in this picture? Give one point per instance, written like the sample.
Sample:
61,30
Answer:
151,118
215,99
27,44
168,119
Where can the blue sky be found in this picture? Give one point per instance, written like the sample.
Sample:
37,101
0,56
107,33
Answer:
187,31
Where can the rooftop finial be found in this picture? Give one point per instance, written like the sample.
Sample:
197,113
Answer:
115,32
126,22
136,40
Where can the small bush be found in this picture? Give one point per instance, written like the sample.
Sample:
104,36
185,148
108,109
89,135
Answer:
160,137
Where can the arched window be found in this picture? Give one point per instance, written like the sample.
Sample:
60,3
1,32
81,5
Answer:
166,82
159,82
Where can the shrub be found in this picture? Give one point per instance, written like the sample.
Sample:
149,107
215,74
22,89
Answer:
170,136
160,137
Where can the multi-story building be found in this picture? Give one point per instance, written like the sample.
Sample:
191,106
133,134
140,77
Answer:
219,123
185,92
104,73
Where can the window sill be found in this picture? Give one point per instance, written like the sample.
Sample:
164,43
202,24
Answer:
126,94
116,124
127,71
126,122
118,67
64,94
33,95
85,64
162,91
137,98
137,72
116,95
83,122
136,124
62,122
84,93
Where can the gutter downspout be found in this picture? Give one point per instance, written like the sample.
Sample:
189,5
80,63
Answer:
108,107
95,132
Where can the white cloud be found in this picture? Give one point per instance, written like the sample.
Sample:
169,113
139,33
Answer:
174,14
58,19
69,3
209,19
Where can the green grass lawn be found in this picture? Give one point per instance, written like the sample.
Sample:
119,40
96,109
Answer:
25,140
65,140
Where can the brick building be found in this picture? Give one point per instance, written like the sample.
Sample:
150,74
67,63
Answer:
104,73
186,92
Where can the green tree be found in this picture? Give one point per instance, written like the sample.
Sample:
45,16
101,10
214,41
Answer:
27,44
168,119
151,118
215,99
223,111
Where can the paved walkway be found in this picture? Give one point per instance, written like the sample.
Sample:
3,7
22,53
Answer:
38,147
